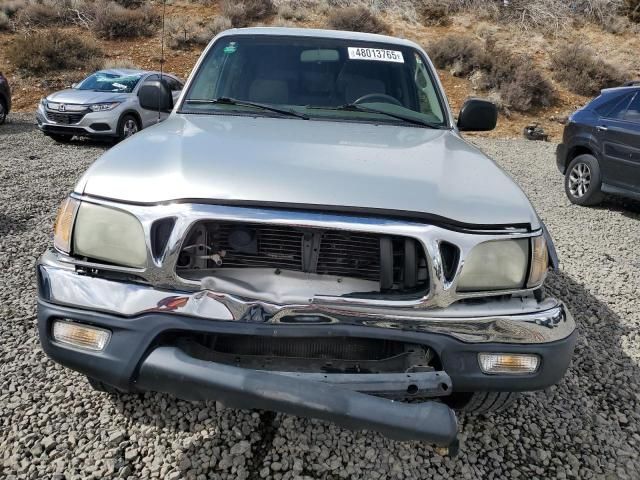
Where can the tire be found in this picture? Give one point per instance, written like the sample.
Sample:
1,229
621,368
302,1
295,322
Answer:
482,403
59,137
583,181
3,111
99,386
128,126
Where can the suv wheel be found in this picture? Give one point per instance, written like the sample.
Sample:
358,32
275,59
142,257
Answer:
582,182
481,403
128,126
3,112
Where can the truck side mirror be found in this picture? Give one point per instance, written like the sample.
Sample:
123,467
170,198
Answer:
477,115
155,95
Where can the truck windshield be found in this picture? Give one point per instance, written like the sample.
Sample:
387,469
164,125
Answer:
317,78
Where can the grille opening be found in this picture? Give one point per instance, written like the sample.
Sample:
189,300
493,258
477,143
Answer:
65,118
160,232
397,264
450,257
305,354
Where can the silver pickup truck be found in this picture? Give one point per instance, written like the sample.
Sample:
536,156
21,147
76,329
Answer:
307,233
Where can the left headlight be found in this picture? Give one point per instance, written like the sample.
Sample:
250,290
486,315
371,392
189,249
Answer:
110,235
103,107
63,226
495,265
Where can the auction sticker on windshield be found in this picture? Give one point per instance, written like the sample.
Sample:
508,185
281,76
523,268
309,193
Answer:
359,53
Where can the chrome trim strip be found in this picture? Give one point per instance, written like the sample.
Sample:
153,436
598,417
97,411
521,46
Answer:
515,320
162,272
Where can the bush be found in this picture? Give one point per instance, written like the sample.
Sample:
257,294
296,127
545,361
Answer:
633,10
582,71
463,54
119,63
183,32
242,13
130,3
5,23
519,86
114,21
287,11
433,12
11,7
51,50
357,19
38,15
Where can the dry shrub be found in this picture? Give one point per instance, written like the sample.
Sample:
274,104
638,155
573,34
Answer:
288,11
243,12
53,50
183,32
5,23
433,12
357,19
130,3
120,63
582,71
519,85
38,15
632,8
114,21
462,54
11,7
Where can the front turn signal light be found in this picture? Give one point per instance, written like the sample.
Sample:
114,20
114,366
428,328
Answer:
63,225
80,336
539,262
508,363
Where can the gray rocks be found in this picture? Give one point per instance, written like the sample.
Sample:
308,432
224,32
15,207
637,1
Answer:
54,426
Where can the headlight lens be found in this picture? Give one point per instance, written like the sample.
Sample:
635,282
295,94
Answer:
103,107
539,262
495,265
108,234
63,226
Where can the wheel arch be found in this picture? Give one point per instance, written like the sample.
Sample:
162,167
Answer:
134,114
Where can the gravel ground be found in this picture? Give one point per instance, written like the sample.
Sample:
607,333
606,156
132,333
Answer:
53,426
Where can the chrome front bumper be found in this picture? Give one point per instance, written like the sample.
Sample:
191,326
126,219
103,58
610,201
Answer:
518,320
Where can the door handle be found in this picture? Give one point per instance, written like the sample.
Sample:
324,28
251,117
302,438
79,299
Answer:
601,128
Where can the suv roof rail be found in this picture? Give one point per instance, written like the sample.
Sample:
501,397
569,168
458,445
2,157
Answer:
632,83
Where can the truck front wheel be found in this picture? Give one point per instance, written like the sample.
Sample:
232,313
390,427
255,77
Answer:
481,403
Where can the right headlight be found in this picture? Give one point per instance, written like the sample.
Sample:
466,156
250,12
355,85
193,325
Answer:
495,265
108,234
504,265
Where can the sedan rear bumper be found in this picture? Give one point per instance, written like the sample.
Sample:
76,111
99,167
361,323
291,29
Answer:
170,370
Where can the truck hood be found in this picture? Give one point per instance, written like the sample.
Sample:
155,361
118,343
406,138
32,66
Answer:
356,167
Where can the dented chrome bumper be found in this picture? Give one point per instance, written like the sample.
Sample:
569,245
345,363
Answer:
518,320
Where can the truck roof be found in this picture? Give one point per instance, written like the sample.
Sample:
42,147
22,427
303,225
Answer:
320,33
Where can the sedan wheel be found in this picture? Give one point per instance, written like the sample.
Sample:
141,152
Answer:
579,180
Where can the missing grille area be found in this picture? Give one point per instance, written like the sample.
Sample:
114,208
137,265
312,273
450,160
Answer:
392,264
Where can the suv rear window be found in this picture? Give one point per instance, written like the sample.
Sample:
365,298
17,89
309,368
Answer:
615,107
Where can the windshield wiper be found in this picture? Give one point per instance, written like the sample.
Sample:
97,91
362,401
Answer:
354,107
242,103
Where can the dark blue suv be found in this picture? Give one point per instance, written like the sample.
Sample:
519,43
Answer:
600,149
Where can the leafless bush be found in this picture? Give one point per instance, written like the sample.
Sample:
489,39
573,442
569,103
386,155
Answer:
119,63
52,50
288,11
11,7
433,12
632,9
130,3
183,32
243,12
38,15
5,23
114,21
518,84
582,71
357,19
460,53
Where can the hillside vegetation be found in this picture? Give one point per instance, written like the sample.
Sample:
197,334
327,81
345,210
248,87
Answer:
537,59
